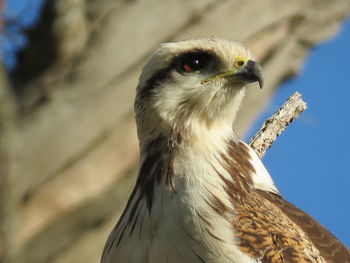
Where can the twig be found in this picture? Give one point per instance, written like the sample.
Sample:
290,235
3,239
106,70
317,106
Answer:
277,123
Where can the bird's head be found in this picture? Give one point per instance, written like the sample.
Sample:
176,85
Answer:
192,85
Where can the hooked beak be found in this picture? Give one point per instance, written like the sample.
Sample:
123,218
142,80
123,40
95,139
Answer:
250,72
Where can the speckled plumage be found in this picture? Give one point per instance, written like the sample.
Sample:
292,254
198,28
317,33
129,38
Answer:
202,195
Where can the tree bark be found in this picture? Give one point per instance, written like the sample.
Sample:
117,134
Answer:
9,193
277,123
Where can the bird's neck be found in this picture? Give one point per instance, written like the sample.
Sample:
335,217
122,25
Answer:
205,155
189,126
200,134
208,141
166,156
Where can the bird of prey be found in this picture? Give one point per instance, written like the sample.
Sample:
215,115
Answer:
202,195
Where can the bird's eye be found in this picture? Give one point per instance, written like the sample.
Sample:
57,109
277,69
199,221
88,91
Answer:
194,62
239,63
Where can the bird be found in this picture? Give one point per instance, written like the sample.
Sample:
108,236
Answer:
202,195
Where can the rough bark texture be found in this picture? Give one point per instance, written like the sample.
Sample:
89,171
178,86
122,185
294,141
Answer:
75,85
277,123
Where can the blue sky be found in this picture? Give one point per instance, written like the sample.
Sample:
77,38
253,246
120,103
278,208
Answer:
308,161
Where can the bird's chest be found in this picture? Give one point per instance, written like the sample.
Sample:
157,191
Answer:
192,227
194,215
189,219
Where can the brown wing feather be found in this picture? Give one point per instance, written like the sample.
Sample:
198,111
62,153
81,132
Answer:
328,245
262,230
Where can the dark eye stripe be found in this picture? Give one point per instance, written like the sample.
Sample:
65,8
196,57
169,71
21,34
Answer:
164,74
153,82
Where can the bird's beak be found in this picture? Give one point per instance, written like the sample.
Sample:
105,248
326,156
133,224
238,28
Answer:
250,72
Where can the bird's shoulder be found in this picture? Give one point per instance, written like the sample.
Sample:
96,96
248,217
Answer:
330,248
270,227
264,231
